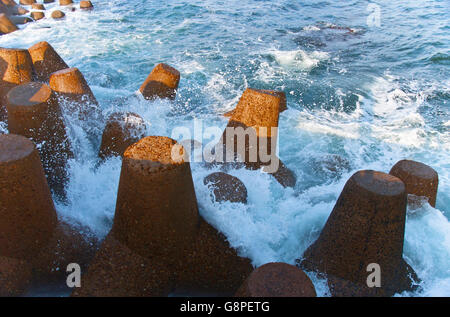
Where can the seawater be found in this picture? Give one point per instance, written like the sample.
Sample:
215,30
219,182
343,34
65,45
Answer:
360,96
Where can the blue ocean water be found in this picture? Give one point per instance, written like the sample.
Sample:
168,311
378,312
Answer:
360,96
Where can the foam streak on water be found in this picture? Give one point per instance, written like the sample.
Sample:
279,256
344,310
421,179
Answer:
359,97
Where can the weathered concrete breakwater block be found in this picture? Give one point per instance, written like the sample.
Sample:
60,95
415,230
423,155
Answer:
367,225
15,69
257,112
156,210
277,280
117,271
29,227
225,187
37,6
158,241
420,179
86,5
34,112
121,131
69,243
161,83
70,85
27,2
58,14
212,265
45,61
65,2
28,216
37,15
10,7
281,94
15,276
6,25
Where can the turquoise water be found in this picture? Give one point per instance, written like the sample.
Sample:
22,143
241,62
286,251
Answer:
360,96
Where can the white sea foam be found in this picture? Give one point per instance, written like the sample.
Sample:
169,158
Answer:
299,59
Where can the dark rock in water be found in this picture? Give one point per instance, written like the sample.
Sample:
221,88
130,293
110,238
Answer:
330,165
225,187
117,271
58,14
34,112
6,25
367,225
86,5
309,41
15,276
212,265
28,216
49,1
121,131
45,60
37,15
161,83
420,179
277,280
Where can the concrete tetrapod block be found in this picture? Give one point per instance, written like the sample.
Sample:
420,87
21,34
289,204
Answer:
117,271
28,216
86,5
212,266
15,69
121,131
34,112
69,243
45,60
161,83
367,225
277,280
15,276
65,2
58,14
37,15
76,97
225,187
37,6
156,209
281,94
71,84
27,2
420,179
251,134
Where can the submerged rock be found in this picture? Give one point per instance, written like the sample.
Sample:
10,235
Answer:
225,187
277,280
